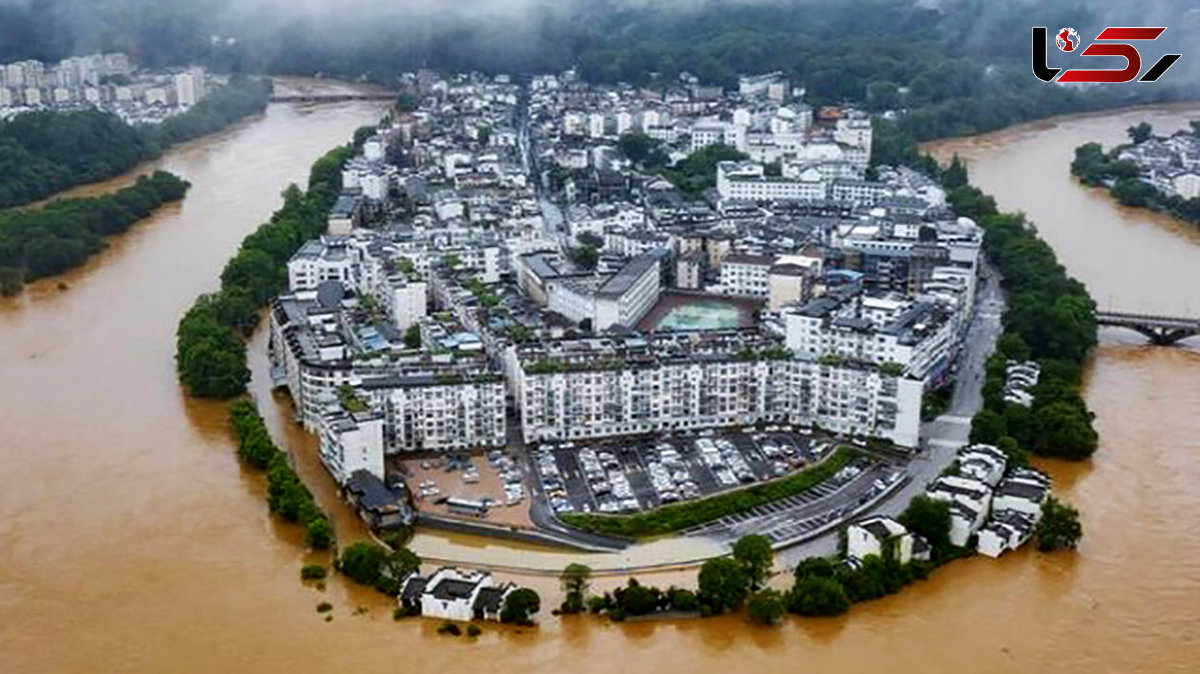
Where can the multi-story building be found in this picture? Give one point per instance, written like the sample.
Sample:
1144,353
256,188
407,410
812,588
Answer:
351,442
916,336
328,258
746,275
612,386
747,181
622,298
328,361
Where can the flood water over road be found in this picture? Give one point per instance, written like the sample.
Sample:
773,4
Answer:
131,540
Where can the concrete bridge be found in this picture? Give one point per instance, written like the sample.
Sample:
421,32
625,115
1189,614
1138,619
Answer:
330,98
1160,330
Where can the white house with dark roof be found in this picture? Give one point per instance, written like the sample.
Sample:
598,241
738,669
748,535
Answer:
1022,492
969,501
869,537
982,462
456,594
1007,530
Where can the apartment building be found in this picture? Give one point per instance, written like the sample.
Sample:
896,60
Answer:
602,387
917,336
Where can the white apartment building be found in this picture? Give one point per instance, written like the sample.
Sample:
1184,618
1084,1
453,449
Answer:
704,135
854,129
595,122
917,336
328,258
405,298
440,410
447,401
746,275
585,388
746,181
189,87
628,295
351,442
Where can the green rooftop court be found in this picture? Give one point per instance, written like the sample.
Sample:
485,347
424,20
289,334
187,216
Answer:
688,312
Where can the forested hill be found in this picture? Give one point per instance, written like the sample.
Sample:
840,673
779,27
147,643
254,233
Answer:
42,153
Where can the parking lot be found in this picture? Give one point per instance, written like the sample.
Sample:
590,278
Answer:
488,486
627,475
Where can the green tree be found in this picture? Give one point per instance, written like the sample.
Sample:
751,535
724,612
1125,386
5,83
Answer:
929,518
818,595
723,584
362,562
1065,430
520,606
640,149
754,553
10,281
575,580
987,427
882,96
318,533
1012,346
955,175
412,336
406,101
681,599
394,568
585,256
1140,133
638,599
1059,528
820,567
765,607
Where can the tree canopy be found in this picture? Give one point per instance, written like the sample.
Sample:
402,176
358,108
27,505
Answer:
1059,528
756,556
723,584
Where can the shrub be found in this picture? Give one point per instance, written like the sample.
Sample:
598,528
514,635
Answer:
1059,528
313,572
682,599
765,607
474,630
450,628
520,606
818,596
324,607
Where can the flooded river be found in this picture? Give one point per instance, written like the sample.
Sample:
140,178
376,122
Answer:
131,540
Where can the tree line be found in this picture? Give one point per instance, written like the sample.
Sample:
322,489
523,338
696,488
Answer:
287,496
45,152
40,242
1050,318
210,350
